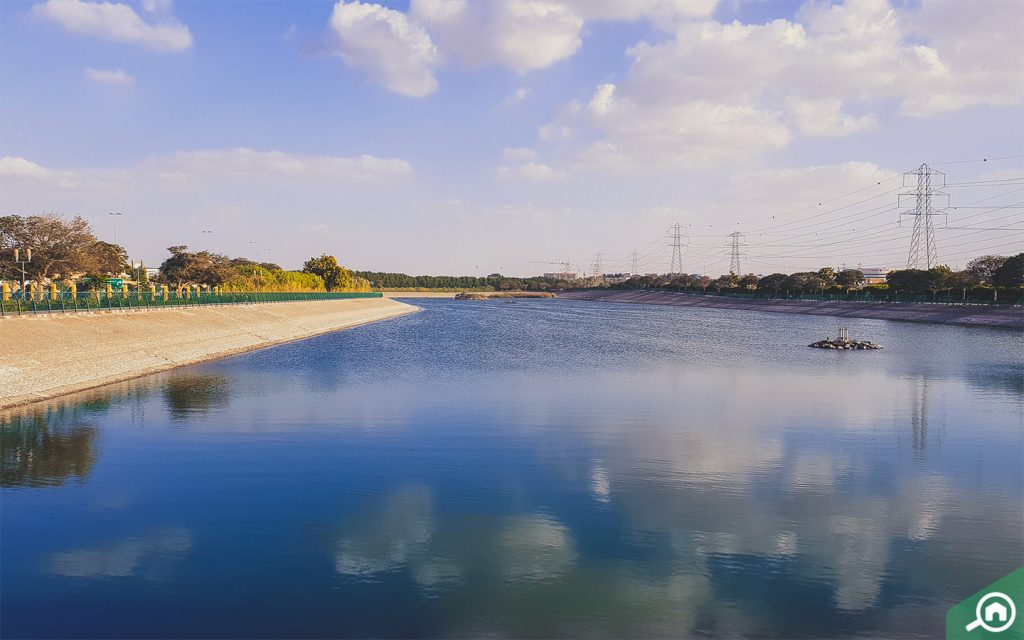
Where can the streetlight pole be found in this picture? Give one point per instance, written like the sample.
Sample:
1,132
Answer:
115,214
28,258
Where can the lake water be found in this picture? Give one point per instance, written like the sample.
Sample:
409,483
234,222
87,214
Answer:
537,469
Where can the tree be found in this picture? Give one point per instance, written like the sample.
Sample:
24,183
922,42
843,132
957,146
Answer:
919,280
202,267
327,267
806,281
60,247
726,281
141,276
828,275
1010,273
849,278
108,259
748,281
773,282
985,267
963,280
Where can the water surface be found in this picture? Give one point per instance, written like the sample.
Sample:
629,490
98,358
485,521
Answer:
544,468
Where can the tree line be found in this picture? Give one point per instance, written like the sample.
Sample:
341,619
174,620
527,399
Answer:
493,282
66,251
982,277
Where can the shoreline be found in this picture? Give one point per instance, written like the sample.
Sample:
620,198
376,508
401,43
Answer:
1005,317
43,357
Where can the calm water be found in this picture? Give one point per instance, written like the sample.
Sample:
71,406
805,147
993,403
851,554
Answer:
544,468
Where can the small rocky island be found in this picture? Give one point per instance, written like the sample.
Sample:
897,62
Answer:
844,342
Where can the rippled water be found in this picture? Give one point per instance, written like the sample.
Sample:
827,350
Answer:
544,468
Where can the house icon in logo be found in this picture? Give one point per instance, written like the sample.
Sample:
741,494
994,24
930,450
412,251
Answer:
996,612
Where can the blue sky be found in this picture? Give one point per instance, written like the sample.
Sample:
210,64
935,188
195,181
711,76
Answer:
462,136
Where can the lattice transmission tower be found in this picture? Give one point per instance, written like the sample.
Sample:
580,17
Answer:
734,253
675,235
926,182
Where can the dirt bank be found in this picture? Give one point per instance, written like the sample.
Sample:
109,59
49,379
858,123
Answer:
971,315
45,356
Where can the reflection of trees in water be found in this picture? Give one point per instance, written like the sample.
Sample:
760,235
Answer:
46,449
45,443
189,394
1006,377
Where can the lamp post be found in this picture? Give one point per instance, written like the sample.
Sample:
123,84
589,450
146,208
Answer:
28,258
115,214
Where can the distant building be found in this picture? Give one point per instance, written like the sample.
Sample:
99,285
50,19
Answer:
561,275
875,275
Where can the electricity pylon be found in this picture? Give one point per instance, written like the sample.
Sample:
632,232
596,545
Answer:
923,252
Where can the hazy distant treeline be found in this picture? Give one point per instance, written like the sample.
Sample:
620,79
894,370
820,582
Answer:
493,282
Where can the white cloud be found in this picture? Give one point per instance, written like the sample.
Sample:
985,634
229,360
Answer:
109,76
20,167
560,127
518,153
660,11
396,51
246,163
980,51
519,34
217,165
678,134
517,96
531,171
724,92
155,6
825,118
115,21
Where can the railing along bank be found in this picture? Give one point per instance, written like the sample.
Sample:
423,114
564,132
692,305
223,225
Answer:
68,301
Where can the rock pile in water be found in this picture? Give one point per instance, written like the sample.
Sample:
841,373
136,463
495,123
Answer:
844,344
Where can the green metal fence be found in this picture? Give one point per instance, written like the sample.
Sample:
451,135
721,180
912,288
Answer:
100,301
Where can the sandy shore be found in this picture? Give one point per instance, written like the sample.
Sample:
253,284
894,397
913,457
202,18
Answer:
1008,317
46,356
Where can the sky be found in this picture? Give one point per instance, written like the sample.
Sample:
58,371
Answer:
479,136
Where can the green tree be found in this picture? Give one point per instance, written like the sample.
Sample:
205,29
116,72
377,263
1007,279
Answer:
200,267
748,281
828,275
850,278
60,246
1010,273
806,281
108,258
984,267
327,267
773,282
141,276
